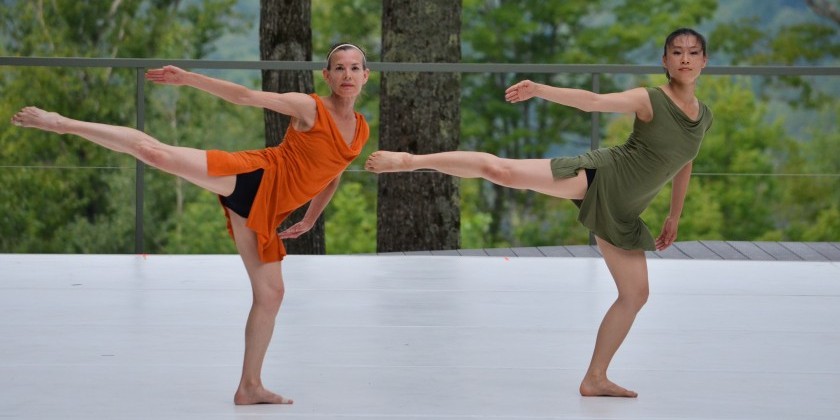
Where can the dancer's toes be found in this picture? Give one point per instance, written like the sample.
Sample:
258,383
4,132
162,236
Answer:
38,118
382,161
259,396
604,388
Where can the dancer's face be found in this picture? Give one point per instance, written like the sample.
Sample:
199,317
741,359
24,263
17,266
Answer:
347,73
684,59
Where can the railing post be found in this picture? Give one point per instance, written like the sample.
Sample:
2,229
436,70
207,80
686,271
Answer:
595,134
140,168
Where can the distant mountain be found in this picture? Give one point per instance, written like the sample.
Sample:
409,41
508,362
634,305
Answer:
772,14
241,47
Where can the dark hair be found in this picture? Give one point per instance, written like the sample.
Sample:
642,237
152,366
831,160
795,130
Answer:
681,32
343,46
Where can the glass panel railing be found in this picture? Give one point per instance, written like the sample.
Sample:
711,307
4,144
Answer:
766,171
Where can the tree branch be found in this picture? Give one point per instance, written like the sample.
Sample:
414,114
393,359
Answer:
824,8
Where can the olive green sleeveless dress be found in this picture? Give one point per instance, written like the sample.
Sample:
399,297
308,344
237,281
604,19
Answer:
629,176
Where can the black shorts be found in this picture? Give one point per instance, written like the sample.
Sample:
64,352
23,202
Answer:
242,198
590,176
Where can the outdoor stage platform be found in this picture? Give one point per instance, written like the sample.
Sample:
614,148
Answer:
416,337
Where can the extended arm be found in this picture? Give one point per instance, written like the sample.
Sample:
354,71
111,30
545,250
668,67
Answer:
294,104
635,101
316,207
679,189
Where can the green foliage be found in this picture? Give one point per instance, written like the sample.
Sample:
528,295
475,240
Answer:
744,42
738,150
826,227
76,196
197,228
810,199
111,228
350,227
356,21
474,223
762,173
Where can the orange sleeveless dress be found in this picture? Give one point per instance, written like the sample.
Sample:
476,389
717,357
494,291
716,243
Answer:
295,172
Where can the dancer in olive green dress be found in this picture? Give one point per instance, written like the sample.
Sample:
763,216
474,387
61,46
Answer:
611,186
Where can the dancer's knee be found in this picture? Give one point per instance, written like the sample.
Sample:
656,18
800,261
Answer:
497,171
152,152
269,297
635,298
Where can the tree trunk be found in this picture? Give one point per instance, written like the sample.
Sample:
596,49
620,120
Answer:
420,114
286,34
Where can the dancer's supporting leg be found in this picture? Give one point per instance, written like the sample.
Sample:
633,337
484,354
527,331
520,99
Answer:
190,164
629,270
530,174
267,288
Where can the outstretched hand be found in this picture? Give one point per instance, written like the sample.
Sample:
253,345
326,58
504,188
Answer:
521,91
668,235
168,75
295,230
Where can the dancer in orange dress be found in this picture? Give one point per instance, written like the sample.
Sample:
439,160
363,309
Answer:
257,188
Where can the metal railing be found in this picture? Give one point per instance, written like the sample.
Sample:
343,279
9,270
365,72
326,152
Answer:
140,65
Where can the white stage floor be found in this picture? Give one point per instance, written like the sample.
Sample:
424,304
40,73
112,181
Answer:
415,337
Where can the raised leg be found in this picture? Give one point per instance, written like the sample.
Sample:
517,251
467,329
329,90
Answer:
629,270
190,164
268,290
525,174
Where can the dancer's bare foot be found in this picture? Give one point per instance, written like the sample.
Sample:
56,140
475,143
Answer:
604,388
38,118
258,395
382,161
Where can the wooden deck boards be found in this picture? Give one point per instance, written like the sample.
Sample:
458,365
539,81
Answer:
693,250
